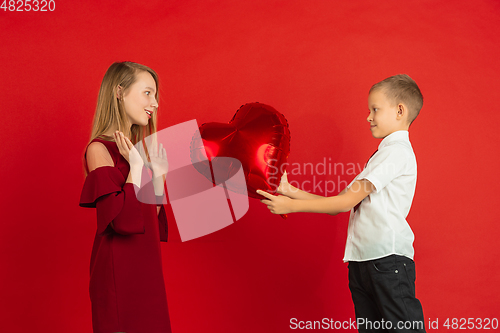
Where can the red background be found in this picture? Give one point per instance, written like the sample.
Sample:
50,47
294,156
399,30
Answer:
314,61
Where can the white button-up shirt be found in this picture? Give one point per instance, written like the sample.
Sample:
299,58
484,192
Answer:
378,228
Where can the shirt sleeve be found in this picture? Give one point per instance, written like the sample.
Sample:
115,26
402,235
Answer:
384,167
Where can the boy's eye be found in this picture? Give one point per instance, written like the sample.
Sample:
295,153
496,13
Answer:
375,109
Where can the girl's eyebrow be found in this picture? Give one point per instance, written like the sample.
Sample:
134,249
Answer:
150,88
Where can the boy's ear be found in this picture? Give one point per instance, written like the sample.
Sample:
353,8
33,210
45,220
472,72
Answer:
401,110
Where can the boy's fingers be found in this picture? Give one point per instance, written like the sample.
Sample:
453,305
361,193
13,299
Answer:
267,202
265,194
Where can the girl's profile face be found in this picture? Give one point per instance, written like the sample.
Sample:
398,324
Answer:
140,99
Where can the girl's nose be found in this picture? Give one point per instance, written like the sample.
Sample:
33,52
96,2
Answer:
154,102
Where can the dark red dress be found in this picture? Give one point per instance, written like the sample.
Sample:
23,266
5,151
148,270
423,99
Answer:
127,289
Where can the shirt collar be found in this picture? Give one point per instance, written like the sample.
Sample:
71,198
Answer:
395,136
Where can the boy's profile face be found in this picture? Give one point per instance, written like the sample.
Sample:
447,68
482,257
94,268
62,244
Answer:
385,117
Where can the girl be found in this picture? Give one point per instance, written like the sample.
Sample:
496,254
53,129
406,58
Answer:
127,289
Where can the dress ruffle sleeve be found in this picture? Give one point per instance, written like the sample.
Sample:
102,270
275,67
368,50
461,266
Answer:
115,203
162,223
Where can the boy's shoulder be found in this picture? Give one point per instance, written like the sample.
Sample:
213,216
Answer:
399,146
391,161
402,148
399,149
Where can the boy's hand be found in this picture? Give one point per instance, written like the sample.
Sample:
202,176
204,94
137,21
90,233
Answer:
277,204
284,187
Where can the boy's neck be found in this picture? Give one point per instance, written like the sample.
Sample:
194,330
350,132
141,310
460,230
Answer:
398,130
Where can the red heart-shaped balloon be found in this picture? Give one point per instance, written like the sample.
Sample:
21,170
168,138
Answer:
258,136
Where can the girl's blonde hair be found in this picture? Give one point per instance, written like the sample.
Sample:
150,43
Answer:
110,111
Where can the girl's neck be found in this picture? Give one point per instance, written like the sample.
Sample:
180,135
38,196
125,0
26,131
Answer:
106,137
110,134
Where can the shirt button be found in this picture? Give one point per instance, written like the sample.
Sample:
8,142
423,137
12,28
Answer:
396,271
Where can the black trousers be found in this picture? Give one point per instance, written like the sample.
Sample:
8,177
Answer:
383,292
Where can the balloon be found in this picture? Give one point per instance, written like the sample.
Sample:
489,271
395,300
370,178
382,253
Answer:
257,136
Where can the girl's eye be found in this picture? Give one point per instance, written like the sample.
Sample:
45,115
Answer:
148,92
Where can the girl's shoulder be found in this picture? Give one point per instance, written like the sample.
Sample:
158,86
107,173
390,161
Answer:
108,141
110,145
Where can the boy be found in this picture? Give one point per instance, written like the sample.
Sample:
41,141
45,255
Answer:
379,246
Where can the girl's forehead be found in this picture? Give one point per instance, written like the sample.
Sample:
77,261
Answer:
145,79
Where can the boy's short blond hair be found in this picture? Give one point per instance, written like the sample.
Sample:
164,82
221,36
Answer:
402,89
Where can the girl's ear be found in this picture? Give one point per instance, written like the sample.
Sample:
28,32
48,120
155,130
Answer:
119,92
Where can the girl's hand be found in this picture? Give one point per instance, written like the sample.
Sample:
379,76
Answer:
277,204
159,162
127,150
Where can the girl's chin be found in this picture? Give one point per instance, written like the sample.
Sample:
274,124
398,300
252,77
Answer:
142,122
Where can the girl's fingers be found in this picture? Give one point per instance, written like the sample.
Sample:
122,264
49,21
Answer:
140,149
123,145
129,143
118,142
124,142
118,139
154,149
163,152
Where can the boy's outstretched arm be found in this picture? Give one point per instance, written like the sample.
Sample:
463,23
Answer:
343,202
293,192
